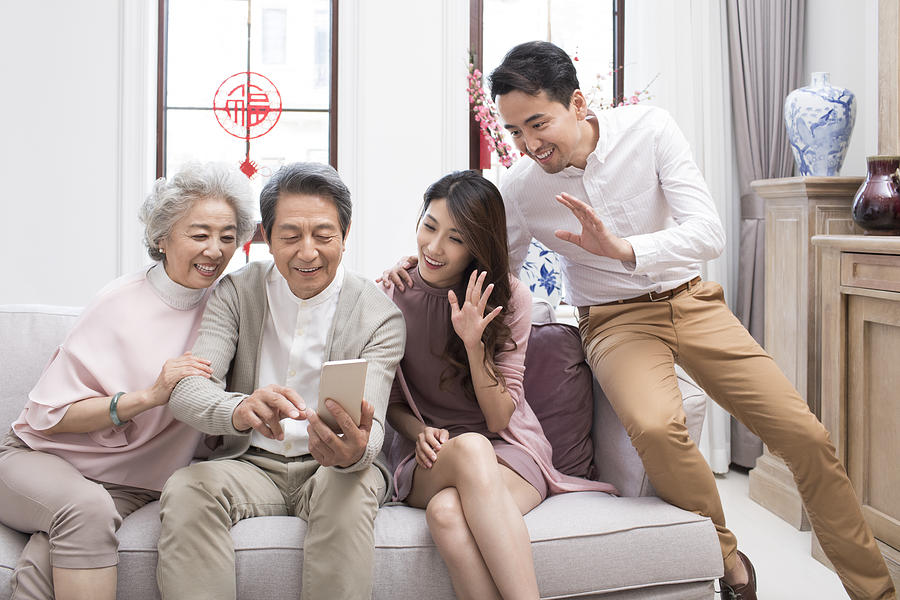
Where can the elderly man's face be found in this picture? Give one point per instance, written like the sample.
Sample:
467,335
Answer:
306,242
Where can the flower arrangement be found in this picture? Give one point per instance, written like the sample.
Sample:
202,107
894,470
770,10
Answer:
488,118
595,94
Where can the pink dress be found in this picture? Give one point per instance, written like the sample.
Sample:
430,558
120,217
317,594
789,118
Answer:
522,445
119,343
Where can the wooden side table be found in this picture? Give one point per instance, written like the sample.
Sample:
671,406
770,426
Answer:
860,376
797,208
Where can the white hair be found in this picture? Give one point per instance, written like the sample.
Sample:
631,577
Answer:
172,198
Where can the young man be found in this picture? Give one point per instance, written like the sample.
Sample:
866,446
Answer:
625,178
267,330
618,196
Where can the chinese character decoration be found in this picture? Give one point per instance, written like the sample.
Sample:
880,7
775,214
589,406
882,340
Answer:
247,105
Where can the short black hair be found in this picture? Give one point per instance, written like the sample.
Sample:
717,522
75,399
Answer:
314,179
535,66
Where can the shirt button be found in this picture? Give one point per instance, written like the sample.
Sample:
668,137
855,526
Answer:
291,373
287,446
299,332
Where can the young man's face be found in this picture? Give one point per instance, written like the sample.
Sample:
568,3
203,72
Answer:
548,132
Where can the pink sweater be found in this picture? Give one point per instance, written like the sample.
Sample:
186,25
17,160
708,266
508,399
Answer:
119,343
524,430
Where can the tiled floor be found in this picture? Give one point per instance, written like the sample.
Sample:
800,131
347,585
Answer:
785,570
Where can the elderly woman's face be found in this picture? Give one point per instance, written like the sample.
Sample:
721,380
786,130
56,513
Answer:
201,243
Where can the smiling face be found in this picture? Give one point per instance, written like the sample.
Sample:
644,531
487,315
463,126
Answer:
201,243
548,132
443,257
306,242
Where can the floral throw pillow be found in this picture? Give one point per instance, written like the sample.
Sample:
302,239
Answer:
541,273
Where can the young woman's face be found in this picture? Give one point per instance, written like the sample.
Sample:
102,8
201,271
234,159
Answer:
443,257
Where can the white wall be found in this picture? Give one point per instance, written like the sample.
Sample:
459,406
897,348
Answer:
402,118
842,39
74,80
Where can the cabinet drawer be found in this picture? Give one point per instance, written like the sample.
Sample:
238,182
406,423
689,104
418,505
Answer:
872,271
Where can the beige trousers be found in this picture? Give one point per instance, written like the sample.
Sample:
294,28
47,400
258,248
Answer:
632,349
201,503
72,520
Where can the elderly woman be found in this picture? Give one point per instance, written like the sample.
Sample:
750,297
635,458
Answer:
96,440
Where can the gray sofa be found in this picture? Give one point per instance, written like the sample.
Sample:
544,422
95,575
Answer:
585,545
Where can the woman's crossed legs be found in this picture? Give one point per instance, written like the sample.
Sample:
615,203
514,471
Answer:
474,508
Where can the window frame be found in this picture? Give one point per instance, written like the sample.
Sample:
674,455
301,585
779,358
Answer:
161,86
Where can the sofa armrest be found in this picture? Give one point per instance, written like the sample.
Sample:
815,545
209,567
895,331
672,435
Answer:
30,334
615,459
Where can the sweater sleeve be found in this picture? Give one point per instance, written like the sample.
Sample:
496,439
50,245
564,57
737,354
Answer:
200,402
511,362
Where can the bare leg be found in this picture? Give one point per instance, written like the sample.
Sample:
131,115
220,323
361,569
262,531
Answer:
492,513
73,584
454,540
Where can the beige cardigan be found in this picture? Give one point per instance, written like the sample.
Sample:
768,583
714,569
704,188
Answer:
366,325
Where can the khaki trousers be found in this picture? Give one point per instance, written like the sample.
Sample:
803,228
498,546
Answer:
201,503
632,349
72,520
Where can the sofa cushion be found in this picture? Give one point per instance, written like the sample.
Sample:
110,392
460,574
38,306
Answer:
559,388
583,543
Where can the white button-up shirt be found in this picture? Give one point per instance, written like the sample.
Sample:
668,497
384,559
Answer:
642,182
292,352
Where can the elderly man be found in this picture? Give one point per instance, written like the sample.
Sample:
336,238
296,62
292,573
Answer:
267,330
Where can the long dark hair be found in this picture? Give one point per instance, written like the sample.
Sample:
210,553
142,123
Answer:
476,207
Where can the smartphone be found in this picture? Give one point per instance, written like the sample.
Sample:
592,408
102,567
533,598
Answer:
344,381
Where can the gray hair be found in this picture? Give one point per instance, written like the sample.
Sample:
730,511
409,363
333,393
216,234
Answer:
172,198
314,179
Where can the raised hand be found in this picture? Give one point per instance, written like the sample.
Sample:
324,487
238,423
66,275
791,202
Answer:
173,371
469,320
427,445
594,237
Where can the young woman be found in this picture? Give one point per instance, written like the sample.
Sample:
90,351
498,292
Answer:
470,450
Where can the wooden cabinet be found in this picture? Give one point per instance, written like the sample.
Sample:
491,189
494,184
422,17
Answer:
860,375
797,208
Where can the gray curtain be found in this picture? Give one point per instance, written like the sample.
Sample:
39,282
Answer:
765,46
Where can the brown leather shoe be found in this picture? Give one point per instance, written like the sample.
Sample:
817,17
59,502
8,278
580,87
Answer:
741,592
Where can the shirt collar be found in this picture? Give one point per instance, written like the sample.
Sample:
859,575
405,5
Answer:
601,150
174,294
329,292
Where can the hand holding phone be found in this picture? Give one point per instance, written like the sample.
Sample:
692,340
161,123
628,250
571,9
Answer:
344,381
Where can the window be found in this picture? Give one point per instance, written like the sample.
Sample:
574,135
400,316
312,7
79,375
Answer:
589,30
211,110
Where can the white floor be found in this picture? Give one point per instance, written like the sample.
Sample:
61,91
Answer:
784,567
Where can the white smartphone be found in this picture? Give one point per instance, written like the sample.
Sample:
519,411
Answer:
344,381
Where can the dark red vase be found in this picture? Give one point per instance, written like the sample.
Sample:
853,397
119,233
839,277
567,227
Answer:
876,205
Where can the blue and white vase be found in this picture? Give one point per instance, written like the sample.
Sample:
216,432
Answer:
819,120
541,273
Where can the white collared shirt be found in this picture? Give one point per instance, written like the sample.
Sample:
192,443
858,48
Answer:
293,350
641,180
